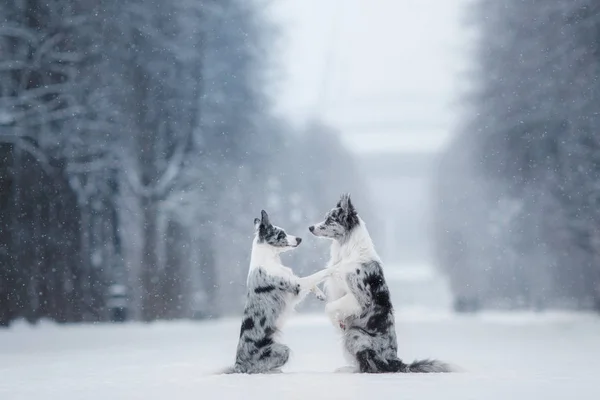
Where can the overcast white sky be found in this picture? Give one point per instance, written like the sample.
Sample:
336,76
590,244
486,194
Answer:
383,71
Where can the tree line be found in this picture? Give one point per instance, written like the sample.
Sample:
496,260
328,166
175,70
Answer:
137,144
517,206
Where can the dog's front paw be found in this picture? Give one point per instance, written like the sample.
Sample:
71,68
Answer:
319,294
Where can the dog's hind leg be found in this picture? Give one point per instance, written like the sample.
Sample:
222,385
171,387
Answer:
273,357
360,345
368,362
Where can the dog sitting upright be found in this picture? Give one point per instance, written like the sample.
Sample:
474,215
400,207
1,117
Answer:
273,290
358,297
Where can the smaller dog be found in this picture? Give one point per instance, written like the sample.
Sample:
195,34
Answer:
272,292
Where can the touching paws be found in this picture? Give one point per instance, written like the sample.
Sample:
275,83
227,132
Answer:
319,294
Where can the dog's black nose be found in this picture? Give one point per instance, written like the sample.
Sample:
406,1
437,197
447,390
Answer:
311,228
298,241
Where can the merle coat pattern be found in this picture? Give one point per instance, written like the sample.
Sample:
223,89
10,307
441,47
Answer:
358,296
272,292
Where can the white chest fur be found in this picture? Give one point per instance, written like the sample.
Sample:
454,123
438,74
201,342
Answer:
347,257
342,262
335,285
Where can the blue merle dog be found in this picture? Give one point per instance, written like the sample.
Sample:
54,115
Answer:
358,298
273,290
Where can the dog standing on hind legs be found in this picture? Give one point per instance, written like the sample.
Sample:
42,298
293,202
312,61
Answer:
273,290
358,297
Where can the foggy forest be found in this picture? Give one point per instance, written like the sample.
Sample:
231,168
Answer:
138,144
517,203
136,148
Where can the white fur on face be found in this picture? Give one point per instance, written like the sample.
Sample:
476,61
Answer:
292,241
328,229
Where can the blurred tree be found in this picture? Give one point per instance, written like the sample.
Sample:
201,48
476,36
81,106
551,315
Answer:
530,132
137,145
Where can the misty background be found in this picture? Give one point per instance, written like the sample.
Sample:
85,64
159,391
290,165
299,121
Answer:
139,140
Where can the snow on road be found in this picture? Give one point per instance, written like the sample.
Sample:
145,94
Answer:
506,356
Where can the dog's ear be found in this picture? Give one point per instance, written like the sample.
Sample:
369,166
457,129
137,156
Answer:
264,218
346,205
256,223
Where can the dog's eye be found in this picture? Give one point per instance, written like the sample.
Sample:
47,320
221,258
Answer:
280,236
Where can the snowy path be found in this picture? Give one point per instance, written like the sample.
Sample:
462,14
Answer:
522,356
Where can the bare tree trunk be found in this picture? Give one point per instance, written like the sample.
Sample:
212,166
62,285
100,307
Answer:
121,311
209,277
52,281
177,272
35,287
18,268
162,278
84,277
6,255
149,270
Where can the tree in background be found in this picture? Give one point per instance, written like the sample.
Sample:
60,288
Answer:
136,147
530,170
45,265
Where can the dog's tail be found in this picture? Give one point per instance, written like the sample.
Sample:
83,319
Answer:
421,366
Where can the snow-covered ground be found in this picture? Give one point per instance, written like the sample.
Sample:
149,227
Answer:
505,356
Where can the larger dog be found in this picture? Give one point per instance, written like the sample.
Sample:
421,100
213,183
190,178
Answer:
273,290
358,296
